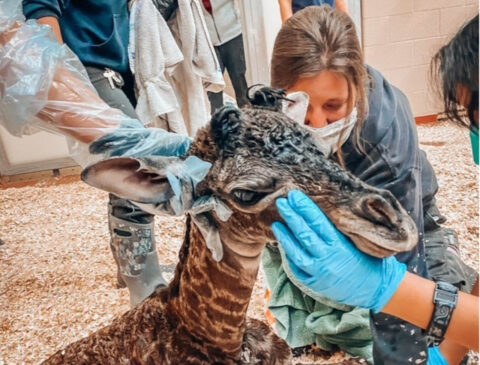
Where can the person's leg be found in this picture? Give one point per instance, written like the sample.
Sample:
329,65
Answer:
128,88
131,229
396,342
234,59
116,97
134,249
444,262
216,99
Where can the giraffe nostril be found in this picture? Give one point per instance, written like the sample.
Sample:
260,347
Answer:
377,210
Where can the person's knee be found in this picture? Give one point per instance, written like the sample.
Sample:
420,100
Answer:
126,210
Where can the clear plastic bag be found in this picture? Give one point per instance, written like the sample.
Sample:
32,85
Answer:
44,86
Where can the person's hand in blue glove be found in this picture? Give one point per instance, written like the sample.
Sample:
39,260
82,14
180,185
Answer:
150,145
133,140
325,261
435,357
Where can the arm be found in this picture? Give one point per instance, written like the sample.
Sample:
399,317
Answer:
285,9
417,292
86,117
328,263
62,99
341,5
76,119
52,22
46,12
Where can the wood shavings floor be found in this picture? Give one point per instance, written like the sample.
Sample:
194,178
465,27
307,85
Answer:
58,275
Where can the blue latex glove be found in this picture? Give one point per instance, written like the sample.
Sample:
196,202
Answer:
435,357
132,139
324,260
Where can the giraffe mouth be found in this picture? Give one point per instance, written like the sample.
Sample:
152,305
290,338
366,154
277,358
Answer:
374,226
245,251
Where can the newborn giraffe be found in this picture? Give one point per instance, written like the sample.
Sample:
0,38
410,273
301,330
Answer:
257,155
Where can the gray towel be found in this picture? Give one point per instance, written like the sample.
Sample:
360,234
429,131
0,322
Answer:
155,57
199,71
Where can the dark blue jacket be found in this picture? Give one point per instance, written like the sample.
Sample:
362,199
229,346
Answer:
300,4
394,160
96,30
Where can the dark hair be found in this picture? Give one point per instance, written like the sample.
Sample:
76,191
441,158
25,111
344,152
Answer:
261,96
454,65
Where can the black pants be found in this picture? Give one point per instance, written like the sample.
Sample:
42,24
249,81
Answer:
231,56
442,254
123,99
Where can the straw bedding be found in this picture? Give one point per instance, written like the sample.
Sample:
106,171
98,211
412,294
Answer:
58,275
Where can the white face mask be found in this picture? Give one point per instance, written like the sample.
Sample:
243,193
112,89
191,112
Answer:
329,138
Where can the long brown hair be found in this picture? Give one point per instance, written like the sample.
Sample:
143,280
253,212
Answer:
320,38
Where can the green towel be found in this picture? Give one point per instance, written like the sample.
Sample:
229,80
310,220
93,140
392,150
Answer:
304,317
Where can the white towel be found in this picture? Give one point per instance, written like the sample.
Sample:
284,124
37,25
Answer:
200,68
156,55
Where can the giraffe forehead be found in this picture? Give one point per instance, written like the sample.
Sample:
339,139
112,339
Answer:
275,140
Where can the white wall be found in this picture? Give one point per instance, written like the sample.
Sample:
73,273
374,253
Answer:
40,151
401,36
261,22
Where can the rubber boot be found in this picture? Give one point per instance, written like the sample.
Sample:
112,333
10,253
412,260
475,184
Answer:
120,282
133,247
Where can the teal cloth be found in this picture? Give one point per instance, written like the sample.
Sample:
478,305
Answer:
305,318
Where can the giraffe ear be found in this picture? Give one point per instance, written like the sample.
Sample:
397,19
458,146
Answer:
225,125
158,184
266,97
140,180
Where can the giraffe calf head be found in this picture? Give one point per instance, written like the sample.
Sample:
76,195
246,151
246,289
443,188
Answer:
256,156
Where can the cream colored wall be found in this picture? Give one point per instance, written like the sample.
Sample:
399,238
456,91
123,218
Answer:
40,151
401,36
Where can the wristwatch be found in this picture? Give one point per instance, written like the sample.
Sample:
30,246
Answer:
445,300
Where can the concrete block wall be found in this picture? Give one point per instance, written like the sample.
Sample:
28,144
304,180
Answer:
401,36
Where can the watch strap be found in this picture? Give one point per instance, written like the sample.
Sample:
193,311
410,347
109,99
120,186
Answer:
445,300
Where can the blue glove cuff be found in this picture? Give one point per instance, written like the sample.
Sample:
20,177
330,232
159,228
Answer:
435,357
394,272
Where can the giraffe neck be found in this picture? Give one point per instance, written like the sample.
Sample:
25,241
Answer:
213,297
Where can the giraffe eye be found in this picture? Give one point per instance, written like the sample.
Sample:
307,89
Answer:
247,197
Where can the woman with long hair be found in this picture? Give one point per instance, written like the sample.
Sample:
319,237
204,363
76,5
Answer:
317,52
